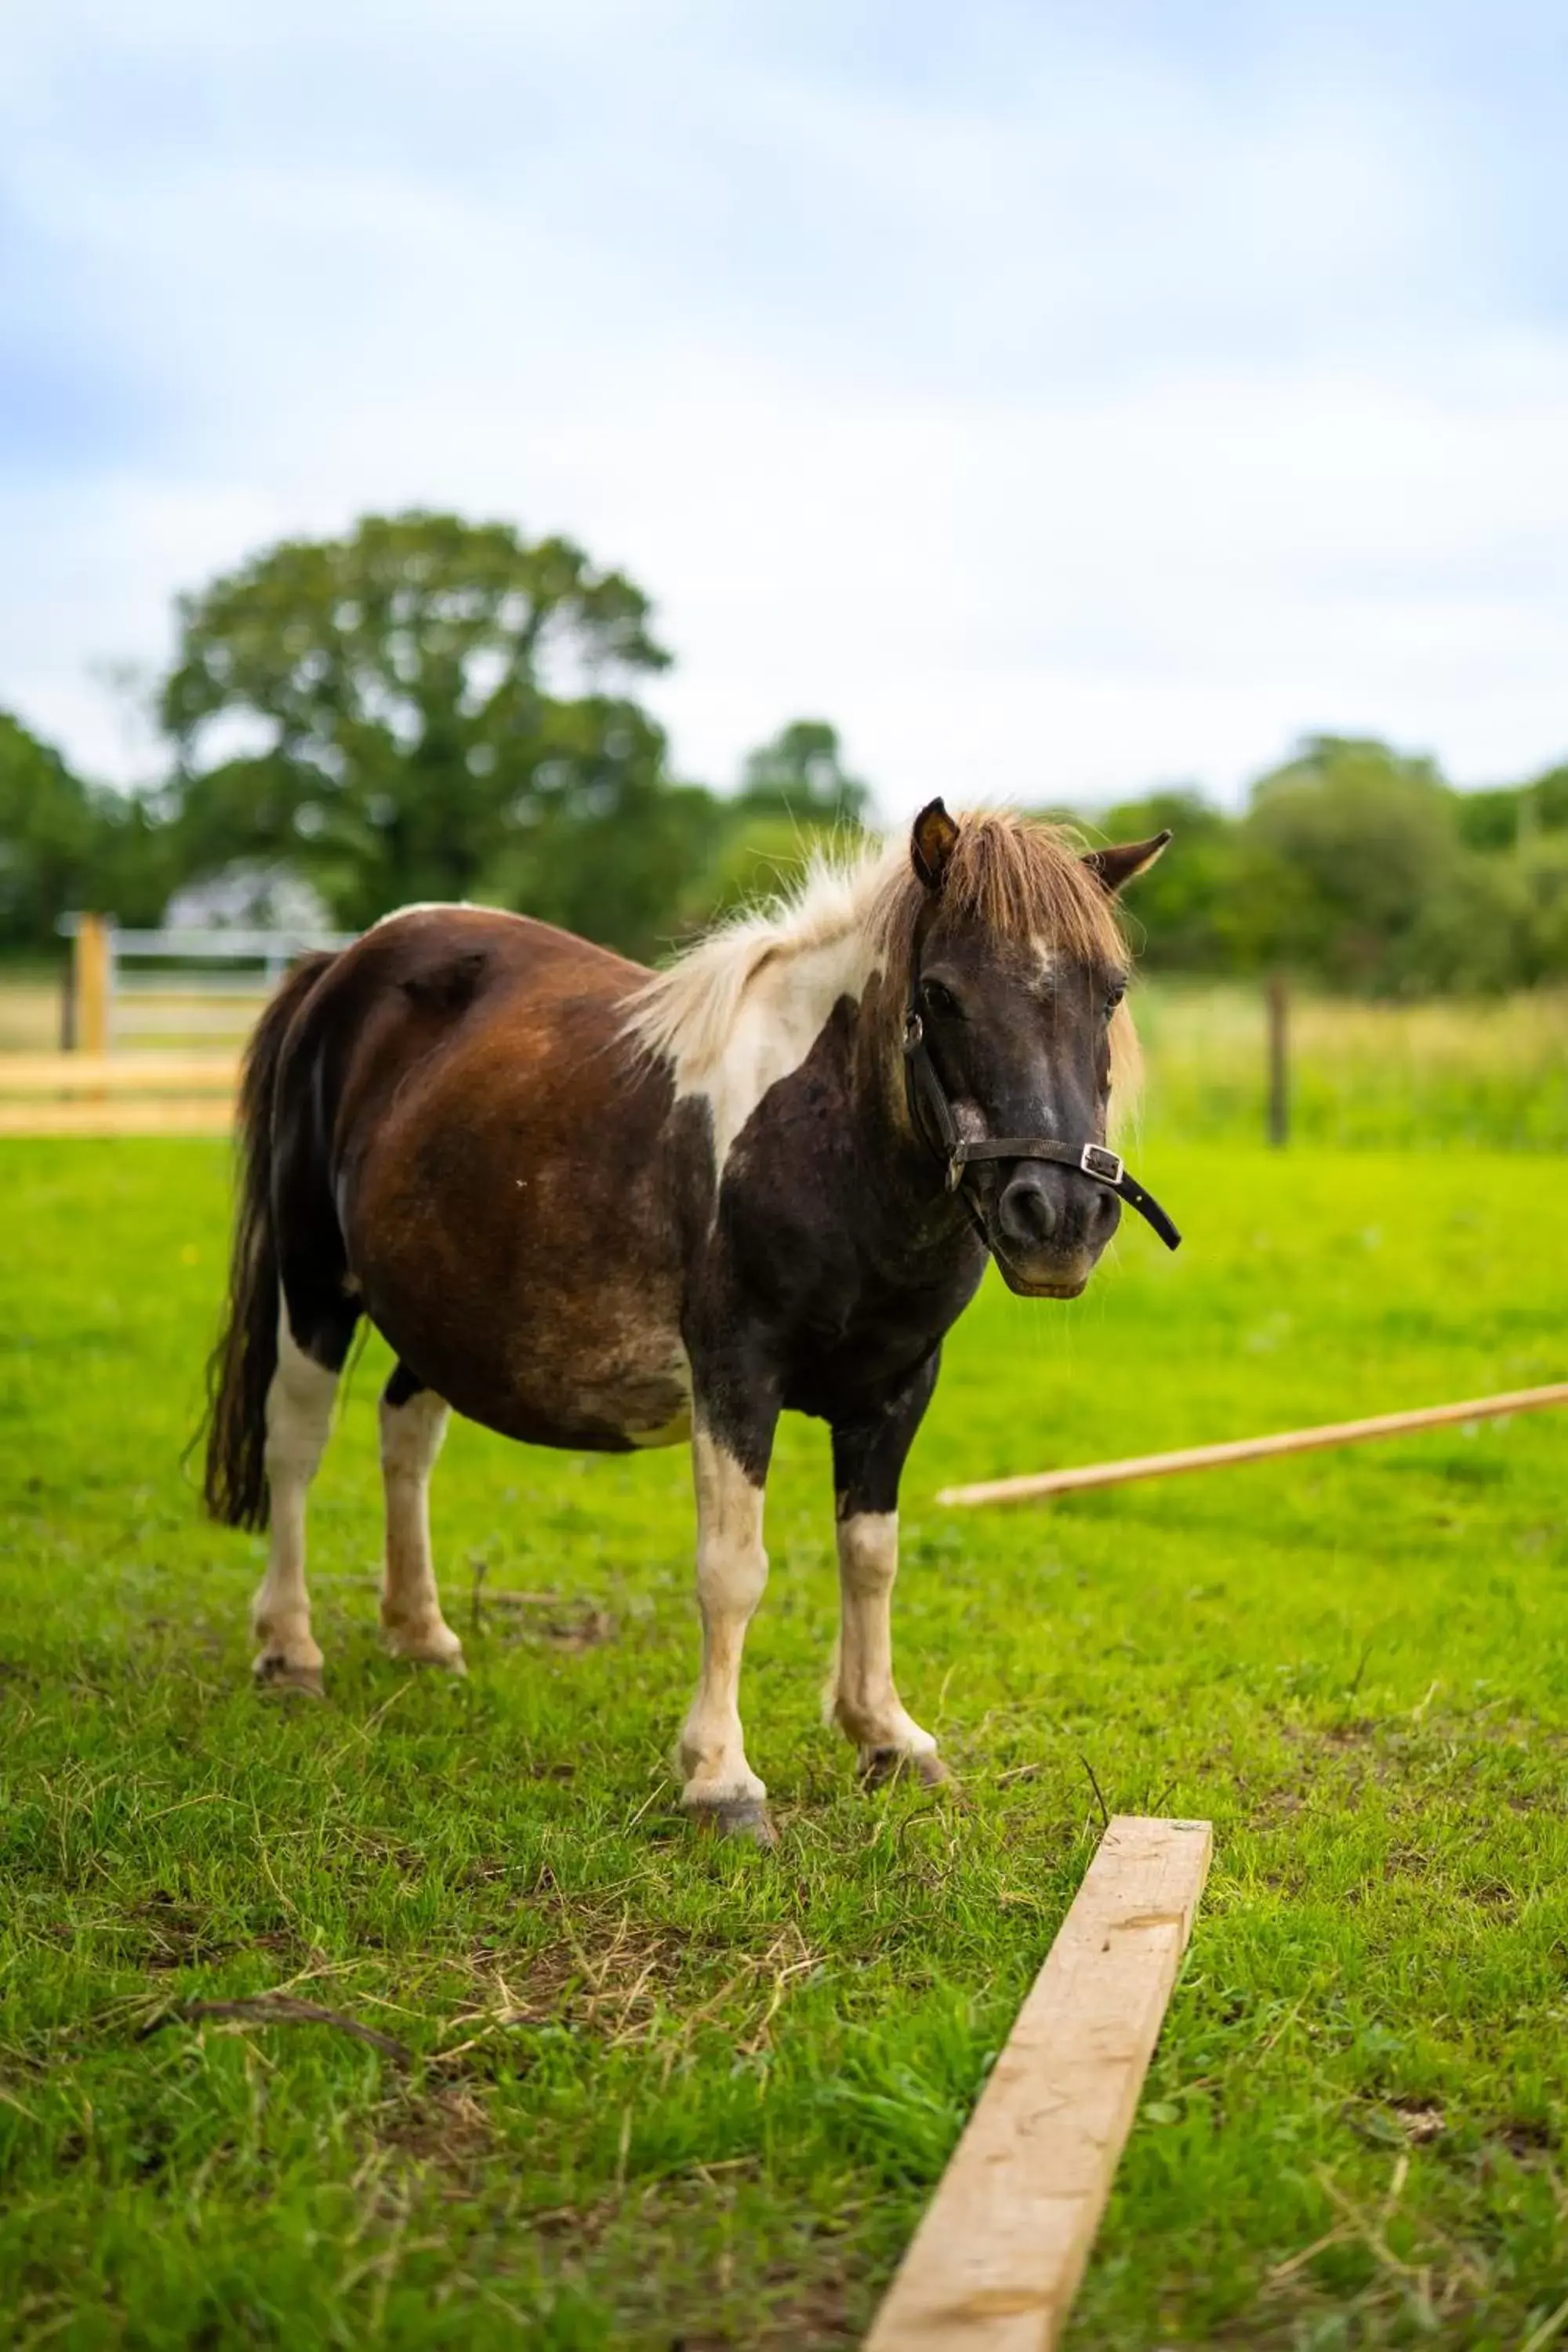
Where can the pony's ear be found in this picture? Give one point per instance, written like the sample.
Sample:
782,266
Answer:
932,842
1114,869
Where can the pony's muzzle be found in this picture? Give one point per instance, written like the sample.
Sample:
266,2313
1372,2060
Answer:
1050,1226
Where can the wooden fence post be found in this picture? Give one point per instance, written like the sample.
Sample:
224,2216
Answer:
1278,1062
92,954
68,1002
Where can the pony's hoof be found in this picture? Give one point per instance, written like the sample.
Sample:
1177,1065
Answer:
746,1818
441,1649
278,1674
880,1767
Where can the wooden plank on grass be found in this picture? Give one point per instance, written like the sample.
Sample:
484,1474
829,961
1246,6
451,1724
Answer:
997,2261
1036,1487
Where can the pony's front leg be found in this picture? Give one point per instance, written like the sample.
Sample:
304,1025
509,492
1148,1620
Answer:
862,1697
731,1572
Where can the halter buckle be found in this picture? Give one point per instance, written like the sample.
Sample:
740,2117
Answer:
1105,1166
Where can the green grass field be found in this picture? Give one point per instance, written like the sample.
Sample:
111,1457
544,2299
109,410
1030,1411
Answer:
652,2091
1445,1071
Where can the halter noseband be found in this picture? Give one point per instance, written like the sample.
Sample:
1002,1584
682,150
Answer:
931,1114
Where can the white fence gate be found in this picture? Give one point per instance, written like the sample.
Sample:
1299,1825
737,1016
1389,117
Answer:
152,1024
195,989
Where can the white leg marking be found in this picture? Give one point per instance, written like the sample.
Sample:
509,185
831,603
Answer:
411,1617
299,1419
731,1572
861,1697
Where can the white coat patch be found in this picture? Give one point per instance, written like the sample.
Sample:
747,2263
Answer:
744,1008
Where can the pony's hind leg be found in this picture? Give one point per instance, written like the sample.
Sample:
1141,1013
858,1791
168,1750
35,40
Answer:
298,1419
412,1424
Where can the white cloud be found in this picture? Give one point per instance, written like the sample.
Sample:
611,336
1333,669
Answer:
1106,422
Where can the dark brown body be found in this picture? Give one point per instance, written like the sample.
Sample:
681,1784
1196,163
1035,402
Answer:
490,1134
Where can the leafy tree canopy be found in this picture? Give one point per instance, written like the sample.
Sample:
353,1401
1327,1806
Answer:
417,699
65,844
47,834
1348,842
1509,814
800,774
1190,912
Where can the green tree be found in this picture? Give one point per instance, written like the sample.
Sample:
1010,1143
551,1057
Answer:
623,875
1191,911
800,774
1541,867
1508,815
422,701
1550,794
1361,869
1351,850
1494,819
48,836
65,844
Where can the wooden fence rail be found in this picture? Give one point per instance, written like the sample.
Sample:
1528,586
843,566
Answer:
97,1073
117,1094
130,1114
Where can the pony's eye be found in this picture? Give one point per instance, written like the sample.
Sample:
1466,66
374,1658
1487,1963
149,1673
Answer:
1115,992
938,1001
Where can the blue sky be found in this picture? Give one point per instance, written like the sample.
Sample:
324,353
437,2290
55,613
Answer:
1060,400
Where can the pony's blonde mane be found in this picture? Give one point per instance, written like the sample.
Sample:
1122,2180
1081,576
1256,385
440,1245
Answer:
688,1011
1021,878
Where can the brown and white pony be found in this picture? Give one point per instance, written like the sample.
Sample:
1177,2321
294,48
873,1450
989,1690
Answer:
594,1207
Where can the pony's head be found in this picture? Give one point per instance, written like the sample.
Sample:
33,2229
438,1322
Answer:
1016,967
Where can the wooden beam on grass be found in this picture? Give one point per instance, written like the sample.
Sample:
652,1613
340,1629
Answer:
1036,1489
997,2261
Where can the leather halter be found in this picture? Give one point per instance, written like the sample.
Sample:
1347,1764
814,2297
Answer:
931,1114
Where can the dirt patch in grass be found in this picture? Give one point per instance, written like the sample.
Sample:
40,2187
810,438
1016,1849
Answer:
448,2128
1420,2120
623,1980
1527,2140
162,1933
558,1620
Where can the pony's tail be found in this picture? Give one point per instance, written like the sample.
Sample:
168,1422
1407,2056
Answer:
240,1369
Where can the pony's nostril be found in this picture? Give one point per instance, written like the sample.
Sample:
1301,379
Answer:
1028,1214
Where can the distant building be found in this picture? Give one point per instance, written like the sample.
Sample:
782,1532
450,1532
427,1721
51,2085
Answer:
250,895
